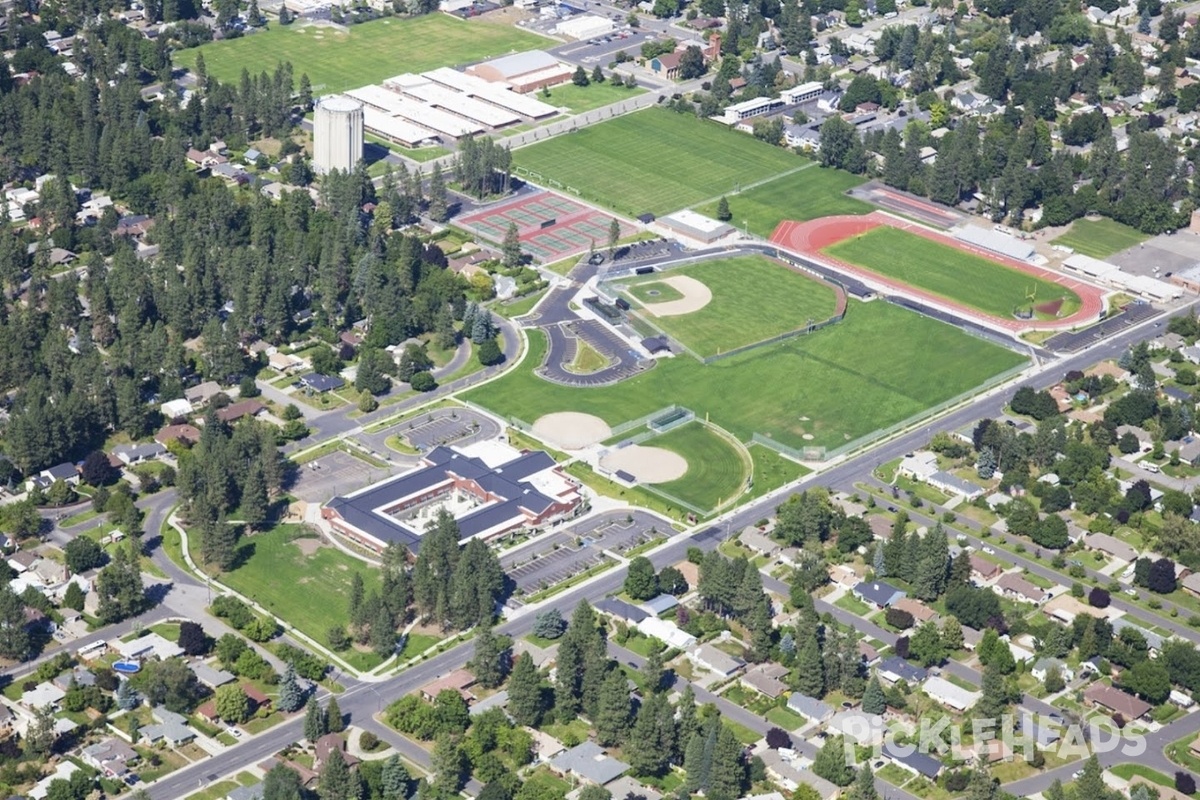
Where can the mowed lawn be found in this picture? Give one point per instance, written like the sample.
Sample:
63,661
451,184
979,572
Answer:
311,592
716,470
754,298
948,272
578,99
653,160
878,366
655,291
364,54
1100,238
805,195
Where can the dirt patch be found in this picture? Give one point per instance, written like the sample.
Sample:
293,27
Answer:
571,430
695,297
1049,308
647,464
309,545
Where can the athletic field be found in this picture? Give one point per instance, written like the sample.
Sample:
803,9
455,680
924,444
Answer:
877,367
808,194
949,272
363,54
654,160
717,470
1100,238
753,299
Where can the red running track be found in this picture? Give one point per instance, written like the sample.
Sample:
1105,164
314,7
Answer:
811,238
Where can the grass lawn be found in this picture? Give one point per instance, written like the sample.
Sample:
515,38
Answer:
753,298
1127,771
786,718
879,366
366,53
578,99
605,166
805,195
1100,238
654,291
587,359
946,271
716,470
309,591
852,604
772,470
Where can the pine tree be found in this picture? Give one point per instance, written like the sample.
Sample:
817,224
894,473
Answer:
952,634
873,701
314,721
985,465
1091,783
612,717
614,236
723,212
830,762
728,777
809,675
693,763
337,782
510,249
394,779
934,553
290,695
127,698
448,764
334,721
490,658
526,700
982,787
993,702
864,784
652,671
878,563
439,206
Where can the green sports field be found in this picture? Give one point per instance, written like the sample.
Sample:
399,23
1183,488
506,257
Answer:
1100,238
805,195
363,54
716,470
653,160
578,99
753,299
948,272
654,291
877,367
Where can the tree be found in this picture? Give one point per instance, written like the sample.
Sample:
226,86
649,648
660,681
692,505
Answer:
873,701
580,77
926,645
232,703
1161,578
510,249
291,697
1099,598
1184,783
334,721
526,698
282,783
439,206
653,672
394,779
952,634
864,784
614,236
779,739
1149,680
73,597
641,581
315,725
448,764
97,471
337,782
808,676
993,703
691,63
193,639
1054,680
723,212
83,553
1091,782
830,762
40,736
549,624
119,585
492,653
612,718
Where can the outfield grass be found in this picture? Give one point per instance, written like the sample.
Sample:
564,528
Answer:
309,591
364,54
1100,238
804,195
716,470
877,367
654,160
655,291
578,99
772,470
753,299
948,272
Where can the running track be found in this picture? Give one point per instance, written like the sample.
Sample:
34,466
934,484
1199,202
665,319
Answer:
811,238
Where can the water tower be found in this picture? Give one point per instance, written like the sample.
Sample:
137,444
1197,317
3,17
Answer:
337,134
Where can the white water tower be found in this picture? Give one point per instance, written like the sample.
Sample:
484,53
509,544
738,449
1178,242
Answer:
337,134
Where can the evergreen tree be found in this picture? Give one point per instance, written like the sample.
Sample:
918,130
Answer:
830,762
808,676
315,725
127,698
448,764
510,248
934,553
952,634
334,721
290,695
283,783
873,701
439,205
694,766
993,703
526,701
394,779
727,779
612,718
40,736
723,212
864,784
982,787
614,236
1091,783
490,662
337,782
652,671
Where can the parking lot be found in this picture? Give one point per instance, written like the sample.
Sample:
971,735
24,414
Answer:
334,474
444,426
574,549
604,49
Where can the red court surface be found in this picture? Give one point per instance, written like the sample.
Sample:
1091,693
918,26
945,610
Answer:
552,227
811,238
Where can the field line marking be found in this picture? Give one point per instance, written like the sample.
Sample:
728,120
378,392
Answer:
756,184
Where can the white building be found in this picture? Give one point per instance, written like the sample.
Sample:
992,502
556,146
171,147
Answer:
584,26
337,134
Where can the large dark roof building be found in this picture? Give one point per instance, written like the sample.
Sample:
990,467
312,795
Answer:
526,491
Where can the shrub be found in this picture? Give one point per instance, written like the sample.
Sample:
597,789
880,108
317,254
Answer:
898,618
1099,598
1185,783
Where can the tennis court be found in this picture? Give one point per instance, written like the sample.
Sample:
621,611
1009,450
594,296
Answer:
551,226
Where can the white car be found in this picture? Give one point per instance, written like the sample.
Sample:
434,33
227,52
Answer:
234,732
989,550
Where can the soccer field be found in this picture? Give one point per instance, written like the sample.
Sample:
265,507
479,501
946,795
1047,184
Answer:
877,367
716,470
1100,238
948,272
366,53
805,195
653,160
753,299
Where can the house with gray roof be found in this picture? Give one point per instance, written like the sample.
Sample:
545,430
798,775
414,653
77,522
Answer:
170,727
209,676
759,542
715,660
810,708
922,764
895,669
621,610
252,792
589,762
880,594
661,604
1153,640
1110,546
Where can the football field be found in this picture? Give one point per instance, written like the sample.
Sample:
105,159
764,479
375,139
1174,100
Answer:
655,161
804,195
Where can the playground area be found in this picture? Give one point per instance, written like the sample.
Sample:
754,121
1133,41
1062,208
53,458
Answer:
552,227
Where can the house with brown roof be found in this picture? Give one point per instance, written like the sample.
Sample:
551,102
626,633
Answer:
766,679
1116,701
325,747
920,612
983,569
460,680
1015,586
243,408
188,434
1110,546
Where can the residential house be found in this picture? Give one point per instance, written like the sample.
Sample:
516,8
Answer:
243,408
765,679
151,645
23,561
130,454
284,362
759,542
952,484
460,680
1109,368
982,569
252,792
1116,701
810,708
176,409
667,632
950,695
918,466
80,676
895,669
619,609
868,653
1066,608
326,746
1110,546
864,729
1015,586
41,696
1042,667
210,677
202,394
1191,584
188,434
713,659
111,756
912,760
588,762
1154,641
316,382
65,472
789,775
877,593
920,612
660,605
169,727
1143,436
1180,699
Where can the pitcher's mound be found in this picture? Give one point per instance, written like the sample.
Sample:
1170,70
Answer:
696,296
570,430
647,464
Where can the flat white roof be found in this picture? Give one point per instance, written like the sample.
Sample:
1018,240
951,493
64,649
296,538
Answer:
996,242
751,105
697,221
390,127
491,92
461,104
414,111
1090,266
